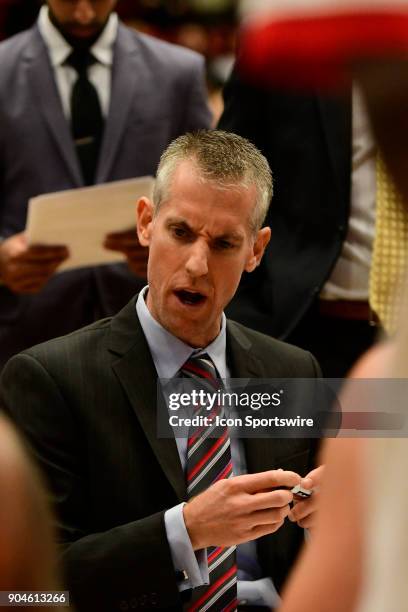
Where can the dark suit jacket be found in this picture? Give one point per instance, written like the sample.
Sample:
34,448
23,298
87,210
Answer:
86,403
307,141
157,94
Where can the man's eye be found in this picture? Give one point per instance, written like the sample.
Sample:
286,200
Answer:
223,245
179,232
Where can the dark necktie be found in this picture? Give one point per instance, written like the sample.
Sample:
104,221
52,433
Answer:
209,460
86,115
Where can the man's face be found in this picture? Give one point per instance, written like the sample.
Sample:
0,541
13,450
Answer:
80,19
200,243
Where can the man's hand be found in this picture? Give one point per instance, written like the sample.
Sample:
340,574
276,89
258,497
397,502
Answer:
239,509
127,242
304,512
26,269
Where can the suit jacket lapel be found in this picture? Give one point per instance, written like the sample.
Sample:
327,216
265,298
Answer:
244,364
127,69
41,79
241,360
137,375
260,453
336,120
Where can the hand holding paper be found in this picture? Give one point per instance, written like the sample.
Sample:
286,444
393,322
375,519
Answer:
98,224
127,243
26,269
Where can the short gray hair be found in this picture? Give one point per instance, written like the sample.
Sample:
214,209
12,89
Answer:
223,158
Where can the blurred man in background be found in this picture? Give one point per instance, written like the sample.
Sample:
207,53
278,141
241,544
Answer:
83,100
312,288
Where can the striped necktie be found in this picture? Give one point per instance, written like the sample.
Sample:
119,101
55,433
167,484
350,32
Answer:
389,260
209,460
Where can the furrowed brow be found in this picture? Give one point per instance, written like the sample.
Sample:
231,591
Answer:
179,222
234,237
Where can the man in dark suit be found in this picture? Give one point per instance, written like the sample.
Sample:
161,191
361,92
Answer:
140,93
311,288
86,402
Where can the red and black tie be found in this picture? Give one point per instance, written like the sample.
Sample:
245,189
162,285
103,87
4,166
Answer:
209,460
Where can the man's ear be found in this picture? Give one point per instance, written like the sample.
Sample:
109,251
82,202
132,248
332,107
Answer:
144,220
262,238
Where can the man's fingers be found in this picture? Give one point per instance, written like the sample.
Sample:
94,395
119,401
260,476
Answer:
303,509
138,258
263,530
138,269
122,241
27,277
270,499
115,245
313,478
130,233
28,286
308,522
271,516
262,481
27,271
307,483
44,254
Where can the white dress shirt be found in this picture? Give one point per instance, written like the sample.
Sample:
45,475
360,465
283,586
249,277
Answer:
99,73
350,276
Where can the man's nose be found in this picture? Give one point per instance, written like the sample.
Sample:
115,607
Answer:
84,12
197,262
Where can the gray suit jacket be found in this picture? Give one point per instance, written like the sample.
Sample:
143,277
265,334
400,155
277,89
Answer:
157,94
86,404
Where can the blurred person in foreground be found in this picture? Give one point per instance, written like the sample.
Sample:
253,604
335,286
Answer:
28,557
362,565
357,559
88,404
83,100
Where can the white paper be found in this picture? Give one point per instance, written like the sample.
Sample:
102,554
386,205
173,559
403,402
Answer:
81,218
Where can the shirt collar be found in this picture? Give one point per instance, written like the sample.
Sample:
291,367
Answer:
168,352
59,49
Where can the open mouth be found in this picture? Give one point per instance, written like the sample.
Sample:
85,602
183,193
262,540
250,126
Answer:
190,298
